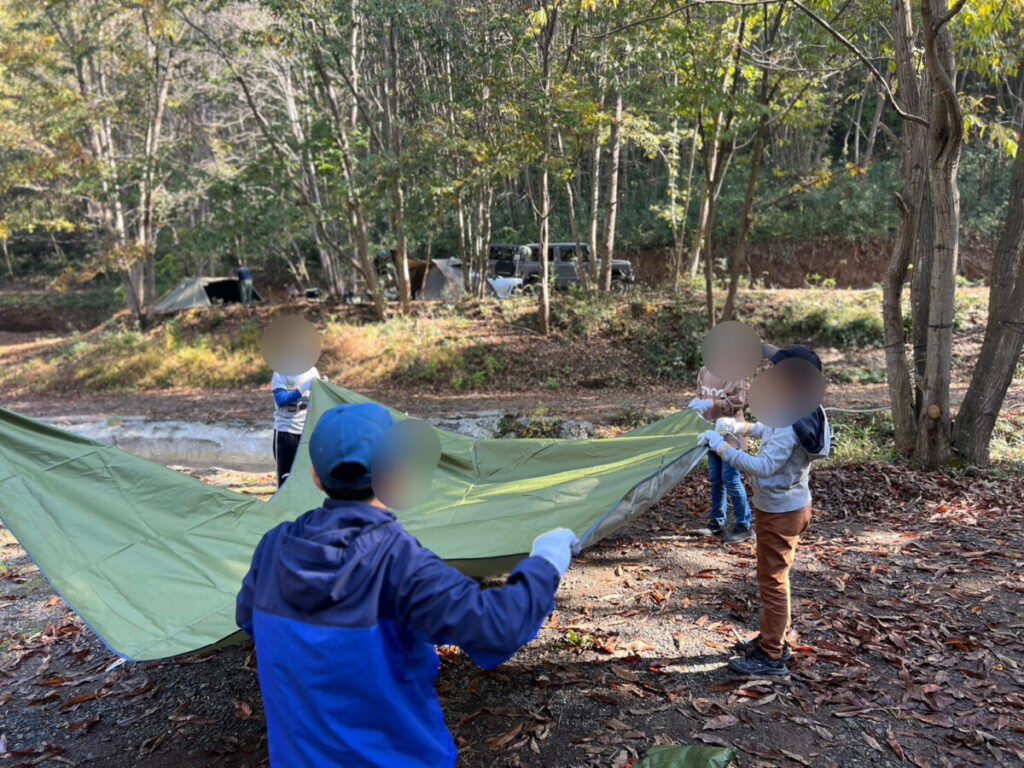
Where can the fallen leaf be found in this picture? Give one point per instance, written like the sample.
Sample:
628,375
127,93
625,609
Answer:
504,739
795,757
243,710
73,703
872,742
83,726
625,674
890,737
720,722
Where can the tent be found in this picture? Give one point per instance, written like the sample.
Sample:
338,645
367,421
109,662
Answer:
444,281
202,292
152,559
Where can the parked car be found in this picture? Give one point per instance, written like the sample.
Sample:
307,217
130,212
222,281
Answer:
524,261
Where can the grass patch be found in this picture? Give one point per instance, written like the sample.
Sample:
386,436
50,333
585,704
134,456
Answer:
539,424
444,353
1006,449
632,416
839,319
859,438
599,342
30,307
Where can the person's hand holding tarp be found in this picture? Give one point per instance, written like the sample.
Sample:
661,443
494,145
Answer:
557,547
701,405
713,441
728,425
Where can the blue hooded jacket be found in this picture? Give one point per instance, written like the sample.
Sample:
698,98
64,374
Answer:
345,608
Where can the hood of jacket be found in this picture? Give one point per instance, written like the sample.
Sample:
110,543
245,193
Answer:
814,434
319,565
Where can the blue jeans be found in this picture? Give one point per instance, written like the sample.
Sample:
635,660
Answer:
725,479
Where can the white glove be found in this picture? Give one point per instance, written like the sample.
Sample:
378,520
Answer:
729,424
700,405
557,547
306,387
712,440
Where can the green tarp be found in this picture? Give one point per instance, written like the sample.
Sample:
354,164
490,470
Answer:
151,559
192,292
687,757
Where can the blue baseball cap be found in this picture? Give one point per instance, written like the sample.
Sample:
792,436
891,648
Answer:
343,442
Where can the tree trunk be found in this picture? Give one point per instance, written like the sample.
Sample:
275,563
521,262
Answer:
921,275
544,42
869,150
739,254
391,113
915,175
595,204
7,257
679,245
581,265
402,248
612,199
945,145
1004,334
544,239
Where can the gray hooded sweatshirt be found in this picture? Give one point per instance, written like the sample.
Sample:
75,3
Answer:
782,468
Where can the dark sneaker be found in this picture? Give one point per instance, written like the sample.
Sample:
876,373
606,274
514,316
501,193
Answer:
757,664
739,535
746,648
715,530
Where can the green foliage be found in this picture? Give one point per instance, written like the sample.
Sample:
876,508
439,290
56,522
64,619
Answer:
538,424
859,438
841,319
669,343
577,640
633,416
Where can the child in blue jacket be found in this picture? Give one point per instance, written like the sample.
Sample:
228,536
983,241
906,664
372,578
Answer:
345,608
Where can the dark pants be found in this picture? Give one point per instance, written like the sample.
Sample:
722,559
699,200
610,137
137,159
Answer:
286,445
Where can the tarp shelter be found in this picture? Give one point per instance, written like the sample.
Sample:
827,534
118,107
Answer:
202,292
443,280
152,559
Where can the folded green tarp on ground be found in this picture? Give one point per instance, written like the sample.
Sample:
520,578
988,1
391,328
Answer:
151,559
687,757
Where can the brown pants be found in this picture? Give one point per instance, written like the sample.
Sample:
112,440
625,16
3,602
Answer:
777,537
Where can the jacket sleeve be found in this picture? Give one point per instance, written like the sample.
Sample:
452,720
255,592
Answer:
246,595
773,454
731,404
283,397
452,609
734,400
754,429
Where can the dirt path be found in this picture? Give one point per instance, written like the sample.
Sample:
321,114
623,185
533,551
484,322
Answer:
909,609
250,405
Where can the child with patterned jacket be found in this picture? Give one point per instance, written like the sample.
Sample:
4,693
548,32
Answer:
718,398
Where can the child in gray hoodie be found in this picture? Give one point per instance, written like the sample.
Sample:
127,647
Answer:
782,513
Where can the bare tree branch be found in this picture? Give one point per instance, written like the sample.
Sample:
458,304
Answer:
845,42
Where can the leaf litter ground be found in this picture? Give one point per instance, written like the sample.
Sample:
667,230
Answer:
909,632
